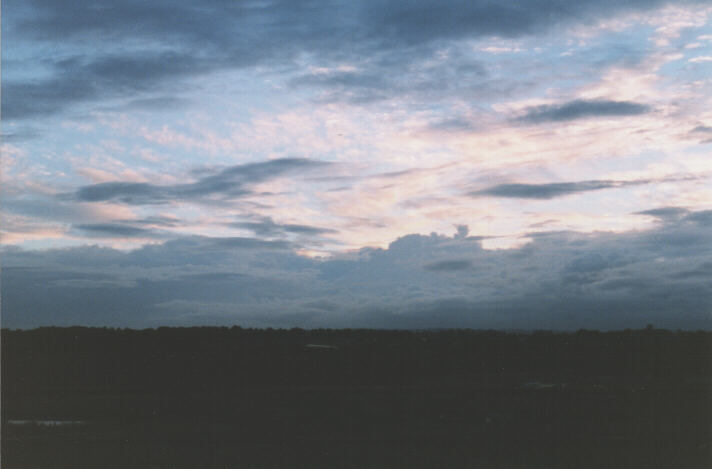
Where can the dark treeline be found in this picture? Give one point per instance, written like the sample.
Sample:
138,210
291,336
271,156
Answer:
205,357
209,397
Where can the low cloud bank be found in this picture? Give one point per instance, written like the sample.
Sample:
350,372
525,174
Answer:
562,280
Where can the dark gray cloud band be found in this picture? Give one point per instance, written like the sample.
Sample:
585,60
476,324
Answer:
81,79
265,226
115,230
665,213
225,184
552,190
582,109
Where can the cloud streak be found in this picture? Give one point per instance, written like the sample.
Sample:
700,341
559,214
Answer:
77,80
267,227
552,190
226,184
582,109
115,230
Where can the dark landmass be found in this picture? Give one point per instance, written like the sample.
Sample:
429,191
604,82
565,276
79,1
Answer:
245,398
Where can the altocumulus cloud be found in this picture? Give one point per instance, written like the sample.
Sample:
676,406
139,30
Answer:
559,280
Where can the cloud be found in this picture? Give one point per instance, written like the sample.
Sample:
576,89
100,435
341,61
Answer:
163,221
427,59
219,24
224,184
449,265
47,207
247,243
551,190
129,228
135,193
665,213
701,59
454,124
115,230
702,217
680,215
135,46
80,79
703,131
558,280
157,103
76,79
267,227
426,21
46,97
341,79
19,135
582,109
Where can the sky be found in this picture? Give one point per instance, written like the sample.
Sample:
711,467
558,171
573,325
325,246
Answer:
529,164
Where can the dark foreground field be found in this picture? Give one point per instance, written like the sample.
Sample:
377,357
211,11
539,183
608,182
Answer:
237,398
